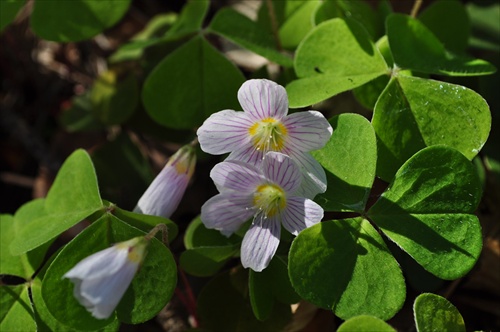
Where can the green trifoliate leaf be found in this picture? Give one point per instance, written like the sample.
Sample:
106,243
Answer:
413,113
73,196
349,159
336,56
16,313
428,211
45,322
199,82
248,34
344,265
65,21
148,293
365,323
8,11
26,264
298,24
449,22
415,47
435,313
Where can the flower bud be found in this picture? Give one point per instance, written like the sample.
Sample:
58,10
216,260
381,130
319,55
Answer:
102,278
165,192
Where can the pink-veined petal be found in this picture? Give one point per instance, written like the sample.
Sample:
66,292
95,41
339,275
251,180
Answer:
263,99
307,131
313,175
236,175
224,132
99,264
248,155
105,293
282,170
227,212
260,243
164,194
300,213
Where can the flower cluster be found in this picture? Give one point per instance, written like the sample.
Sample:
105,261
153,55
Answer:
269,173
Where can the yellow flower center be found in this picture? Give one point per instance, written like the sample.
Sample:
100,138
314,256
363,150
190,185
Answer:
270,199
268,134
136,248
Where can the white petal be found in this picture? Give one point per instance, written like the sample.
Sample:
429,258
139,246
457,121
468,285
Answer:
98,265
248,155
105,293
260,243
307,131
263,99
224,132
313,175
300,213
227,212
236,175
164,194
282,170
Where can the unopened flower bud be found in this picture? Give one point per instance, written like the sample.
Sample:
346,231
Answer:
102,278
166,191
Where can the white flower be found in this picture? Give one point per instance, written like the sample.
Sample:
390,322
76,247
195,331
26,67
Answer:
101,279
165,192
264,126
270,195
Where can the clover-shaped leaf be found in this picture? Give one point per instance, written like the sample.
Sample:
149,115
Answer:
428,211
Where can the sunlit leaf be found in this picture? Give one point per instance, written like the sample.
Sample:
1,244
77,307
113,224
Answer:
345,266
16,313
428,211
336,56
349,159
435,313
73,196
365,323
415,47
413,113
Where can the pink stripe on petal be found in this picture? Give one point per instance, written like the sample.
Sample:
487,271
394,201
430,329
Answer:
224,132
282,170
300,214
227,213
307,131
236,175
248,155
260,243
263,98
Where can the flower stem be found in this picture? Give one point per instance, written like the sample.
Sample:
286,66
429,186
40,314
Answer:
416,7
164,233
274,24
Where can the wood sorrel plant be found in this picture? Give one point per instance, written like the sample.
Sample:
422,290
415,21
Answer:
351,243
